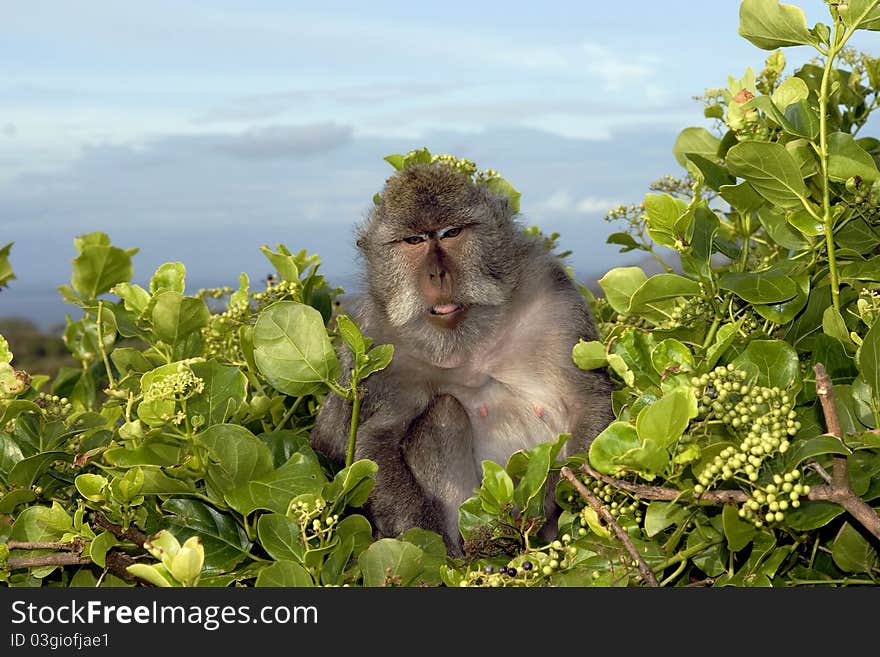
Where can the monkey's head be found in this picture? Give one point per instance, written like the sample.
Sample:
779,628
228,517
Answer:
442,256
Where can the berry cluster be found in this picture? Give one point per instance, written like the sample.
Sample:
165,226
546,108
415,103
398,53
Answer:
179,386
686,311
674,186
762,418
618,502
313,524
528,569
769,503
464,166
220,337
55,407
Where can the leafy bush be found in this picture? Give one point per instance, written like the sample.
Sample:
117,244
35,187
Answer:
745,449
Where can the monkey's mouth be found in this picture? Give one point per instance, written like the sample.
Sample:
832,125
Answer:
446,309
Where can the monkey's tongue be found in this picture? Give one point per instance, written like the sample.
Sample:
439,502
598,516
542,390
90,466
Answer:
445,308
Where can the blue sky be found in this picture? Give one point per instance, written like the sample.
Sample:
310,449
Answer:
199,131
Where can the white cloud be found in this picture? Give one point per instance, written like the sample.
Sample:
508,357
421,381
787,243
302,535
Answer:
564,202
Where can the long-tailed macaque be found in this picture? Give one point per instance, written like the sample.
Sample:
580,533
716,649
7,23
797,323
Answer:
483,319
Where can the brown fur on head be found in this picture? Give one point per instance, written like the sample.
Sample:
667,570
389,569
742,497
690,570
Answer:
442,257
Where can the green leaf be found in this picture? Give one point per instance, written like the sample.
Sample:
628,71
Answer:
472,517
802,119
42,524
659,288
6,274
351,335
26,472
225,390
790,90
862,16
378,358
742,197
660,515
759,287
769,24
433,554
665,420
352,485
156,574
834,326
619,284
529,492
154,450
389,562
869,358
273,492
156,482
780,231
770,169
589,355
100,545
292,349
15,497
852,553
737,532
236,455
496,490
99,266
625,240
805,222
661,214
128,360
714,174
615,440
284,574
279,536
175,316
697,141
284,263
355,534
170,276
785,311
724,337
775,364
396,160
225,542
812,515
134,297
92,487
847,159
671,355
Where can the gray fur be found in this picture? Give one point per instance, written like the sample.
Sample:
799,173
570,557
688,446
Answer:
500,380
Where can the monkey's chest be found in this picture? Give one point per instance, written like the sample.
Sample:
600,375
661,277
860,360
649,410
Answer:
506,418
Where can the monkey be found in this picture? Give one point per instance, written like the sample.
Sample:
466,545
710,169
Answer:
483,318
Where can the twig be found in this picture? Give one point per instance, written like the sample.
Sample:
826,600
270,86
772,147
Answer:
131,534
667,494
71,546
117,563
839,490
57,559
647,575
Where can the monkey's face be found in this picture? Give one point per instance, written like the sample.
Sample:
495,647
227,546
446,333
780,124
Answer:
440,254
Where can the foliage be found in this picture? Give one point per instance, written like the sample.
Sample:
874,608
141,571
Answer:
181,437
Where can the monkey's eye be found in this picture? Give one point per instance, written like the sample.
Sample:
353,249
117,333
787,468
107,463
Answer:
414,239
455,231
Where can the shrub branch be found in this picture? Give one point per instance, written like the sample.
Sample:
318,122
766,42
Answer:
839,490
622,536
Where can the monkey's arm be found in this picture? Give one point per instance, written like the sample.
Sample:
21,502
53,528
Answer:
398,502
